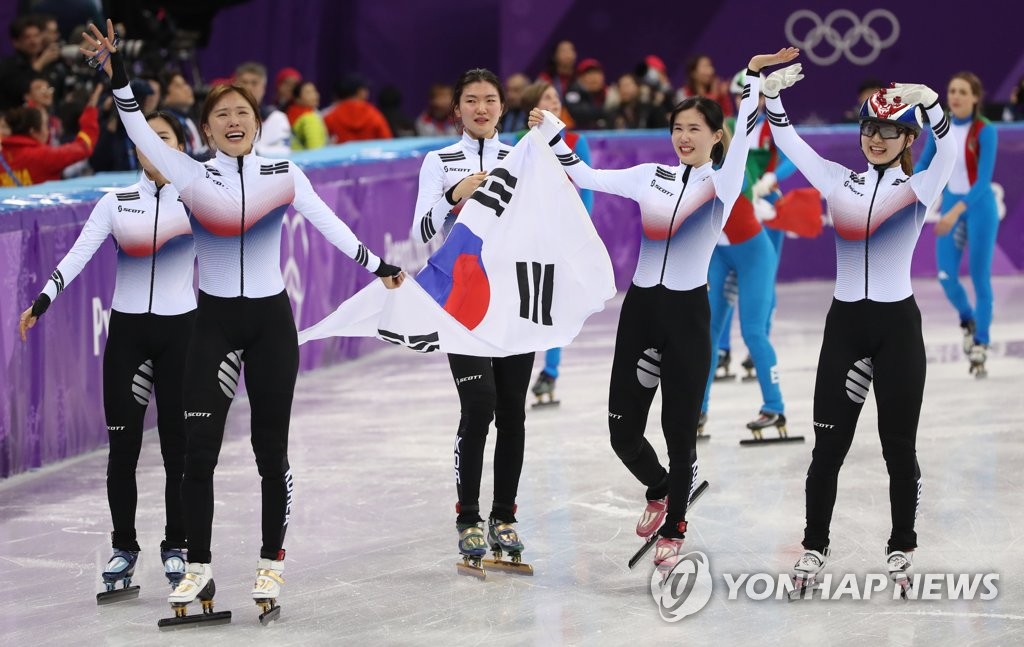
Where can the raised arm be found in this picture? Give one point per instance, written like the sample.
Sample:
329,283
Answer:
313,209
820,172
173,164
729,179
928,184
94,232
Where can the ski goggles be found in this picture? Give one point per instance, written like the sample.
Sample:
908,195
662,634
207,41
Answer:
885,131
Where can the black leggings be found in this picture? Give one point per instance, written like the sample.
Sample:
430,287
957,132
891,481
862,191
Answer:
490,388
664,336
868,341
143,351
230,331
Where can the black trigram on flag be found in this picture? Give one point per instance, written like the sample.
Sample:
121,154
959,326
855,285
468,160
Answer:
496,191
536,288
419,343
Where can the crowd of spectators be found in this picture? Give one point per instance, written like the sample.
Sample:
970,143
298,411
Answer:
55,121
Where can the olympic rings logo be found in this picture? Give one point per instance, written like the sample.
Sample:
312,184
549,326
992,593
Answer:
842,42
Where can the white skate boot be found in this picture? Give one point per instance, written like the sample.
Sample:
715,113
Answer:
269,578
899,564
806,570
197,583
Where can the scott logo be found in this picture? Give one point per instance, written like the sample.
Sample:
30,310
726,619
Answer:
115,428
455,169
468,378
197,414
659,187
122,208
822,425
614,416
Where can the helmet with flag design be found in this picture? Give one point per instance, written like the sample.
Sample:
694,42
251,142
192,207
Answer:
887,108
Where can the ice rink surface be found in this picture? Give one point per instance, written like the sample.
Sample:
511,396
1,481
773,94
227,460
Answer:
371,542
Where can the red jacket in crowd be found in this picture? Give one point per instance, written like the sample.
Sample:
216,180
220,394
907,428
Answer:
356,119
34,162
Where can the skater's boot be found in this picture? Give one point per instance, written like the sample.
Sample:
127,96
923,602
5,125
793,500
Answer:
544,388
652,517
174,564
977,356
472,547
806,571
968,329
266,590
899,563
722,367
120,568
701,423
503,539
748,366
667,551
197,582
764,420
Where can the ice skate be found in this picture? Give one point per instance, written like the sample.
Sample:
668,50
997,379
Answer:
197,583
174,565
120,568
805,572
765,420
722,371
267,588
899,563
701,424
544,389
472,547
646,521
968,329
748,366
977,357
503,538
666,553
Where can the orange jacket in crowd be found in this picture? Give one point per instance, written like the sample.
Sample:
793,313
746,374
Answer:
356,119
34,162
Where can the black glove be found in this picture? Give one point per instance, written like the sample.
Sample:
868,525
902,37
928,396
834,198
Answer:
387,270
40,305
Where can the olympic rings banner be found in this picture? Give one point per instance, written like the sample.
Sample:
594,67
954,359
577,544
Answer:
51,387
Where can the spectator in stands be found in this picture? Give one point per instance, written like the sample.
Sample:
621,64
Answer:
39,94
27,154
55,71
178,99
867,88
701,81
633,110
514,118
655,88
561,68
284,84
353,117
29,58
586,97
308,129
1014,110
435,121
389,100
275,136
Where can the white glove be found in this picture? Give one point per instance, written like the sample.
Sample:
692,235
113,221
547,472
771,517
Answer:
911,93
763,210
765,185
779,80
551,125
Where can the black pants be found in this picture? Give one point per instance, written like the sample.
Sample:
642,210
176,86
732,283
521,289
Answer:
230,331
664,336
868,341
144,351
490,388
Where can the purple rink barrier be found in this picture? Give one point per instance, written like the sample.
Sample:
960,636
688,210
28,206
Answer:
51,389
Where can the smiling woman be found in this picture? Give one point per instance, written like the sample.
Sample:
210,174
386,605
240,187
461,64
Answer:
236,203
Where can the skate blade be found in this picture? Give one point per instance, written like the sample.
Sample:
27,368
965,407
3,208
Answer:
798,594
725,378
509,567
117,595
702,436
471,569
545,405
203,619
772,441
270,615
749,378
653,539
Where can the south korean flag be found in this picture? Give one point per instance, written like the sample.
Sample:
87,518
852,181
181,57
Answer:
520,271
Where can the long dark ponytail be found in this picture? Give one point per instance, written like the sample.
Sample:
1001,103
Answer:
712,113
